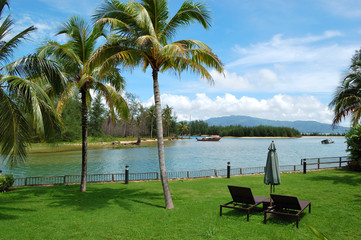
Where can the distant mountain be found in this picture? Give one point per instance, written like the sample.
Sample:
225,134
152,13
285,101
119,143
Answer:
302,126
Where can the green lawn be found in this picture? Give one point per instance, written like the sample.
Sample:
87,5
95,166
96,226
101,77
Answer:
136,211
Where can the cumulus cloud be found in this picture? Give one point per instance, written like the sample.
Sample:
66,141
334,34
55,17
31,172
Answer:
278,107
292,64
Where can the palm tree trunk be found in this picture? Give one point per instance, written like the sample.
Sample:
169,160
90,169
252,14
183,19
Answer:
163,173
84,126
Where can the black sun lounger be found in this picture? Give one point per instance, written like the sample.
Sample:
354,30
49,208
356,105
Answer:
243,199
288,206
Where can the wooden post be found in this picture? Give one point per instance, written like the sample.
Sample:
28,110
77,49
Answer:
187,174
26,181
240,171
228,170
157,176
304,167
318,163
112,177
340,162
294,168
64,179
215,173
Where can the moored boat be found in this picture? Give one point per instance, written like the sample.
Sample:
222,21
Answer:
214,139
327,141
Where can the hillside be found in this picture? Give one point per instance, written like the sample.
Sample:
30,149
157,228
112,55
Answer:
302,126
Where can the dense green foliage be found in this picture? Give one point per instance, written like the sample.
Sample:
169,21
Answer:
353,140
97,116
6,181
136,210
71,119
201,127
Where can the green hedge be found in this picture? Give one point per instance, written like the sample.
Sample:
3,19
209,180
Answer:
6,181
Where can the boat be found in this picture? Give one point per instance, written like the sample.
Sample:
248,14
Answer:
327,141
205,139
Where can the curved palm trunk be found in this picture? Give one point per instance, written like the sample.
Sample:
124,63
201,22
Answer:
84,126
163,173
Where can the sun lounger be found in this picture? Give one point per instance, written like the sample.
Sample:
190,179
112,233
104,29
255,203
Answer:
288,206
243,199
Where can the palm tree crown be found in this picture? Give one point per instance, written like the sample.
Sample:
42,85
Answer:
347,98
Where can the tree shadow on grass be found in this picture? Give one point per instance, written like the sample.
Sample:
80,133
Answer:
347,177
96,197
5,216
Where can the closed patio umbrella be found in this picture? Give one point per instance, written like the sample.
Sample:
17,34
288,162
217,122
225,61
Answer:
272,171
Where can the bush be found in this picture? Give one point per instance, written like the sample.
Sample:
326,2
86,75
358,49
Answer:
6,181
353,140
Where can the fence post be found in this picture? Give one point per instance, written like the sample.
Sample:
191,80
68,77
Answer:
304,167
126,174
65,179
187,174
215,173
240,171
228,169
318,163
112,177
340,162
157,176
26,181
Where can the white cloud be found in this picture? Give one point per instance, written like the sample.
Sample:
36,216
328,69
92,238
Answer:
306,64
279,107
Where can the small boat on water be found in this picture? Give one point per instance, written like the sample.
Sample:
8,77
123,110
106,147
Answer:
327,141
205,139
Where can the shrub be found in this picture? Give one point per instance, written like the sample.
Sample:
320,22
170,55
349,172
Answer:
6,181
353,140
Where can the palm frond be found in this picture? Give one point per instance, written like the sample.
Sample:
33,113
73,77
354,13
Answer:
14,132
158,13
114,100
190,12
7,47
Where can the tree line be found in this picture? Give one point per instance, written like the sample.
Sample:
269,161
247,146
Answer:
201,127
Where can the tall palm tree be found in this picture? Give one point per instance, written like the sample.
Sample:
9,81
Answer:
24,105
75,60
347,98
142,36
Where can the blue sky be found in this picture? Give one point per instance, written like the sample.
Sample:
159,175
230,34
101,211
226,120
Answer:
283,59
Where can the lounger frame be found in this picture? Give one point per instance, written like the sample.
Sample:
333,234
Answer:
287,206
243,199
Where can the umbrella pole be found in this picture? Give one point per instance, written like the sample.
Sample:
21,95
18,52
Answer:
270,199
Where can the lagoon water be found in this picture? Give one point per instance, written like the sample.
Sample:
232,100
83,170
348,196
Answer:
180,155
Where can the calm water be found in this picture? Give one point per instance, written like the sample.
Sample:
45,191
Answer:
180,155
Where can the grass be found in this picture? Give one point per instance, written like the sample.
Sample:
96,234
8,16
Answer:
93,143
136,210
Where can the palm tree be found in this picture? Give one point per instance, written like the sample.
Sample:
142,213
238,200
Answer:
151,115
142,36
347,98
183,128
74,59
167,116
25,108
